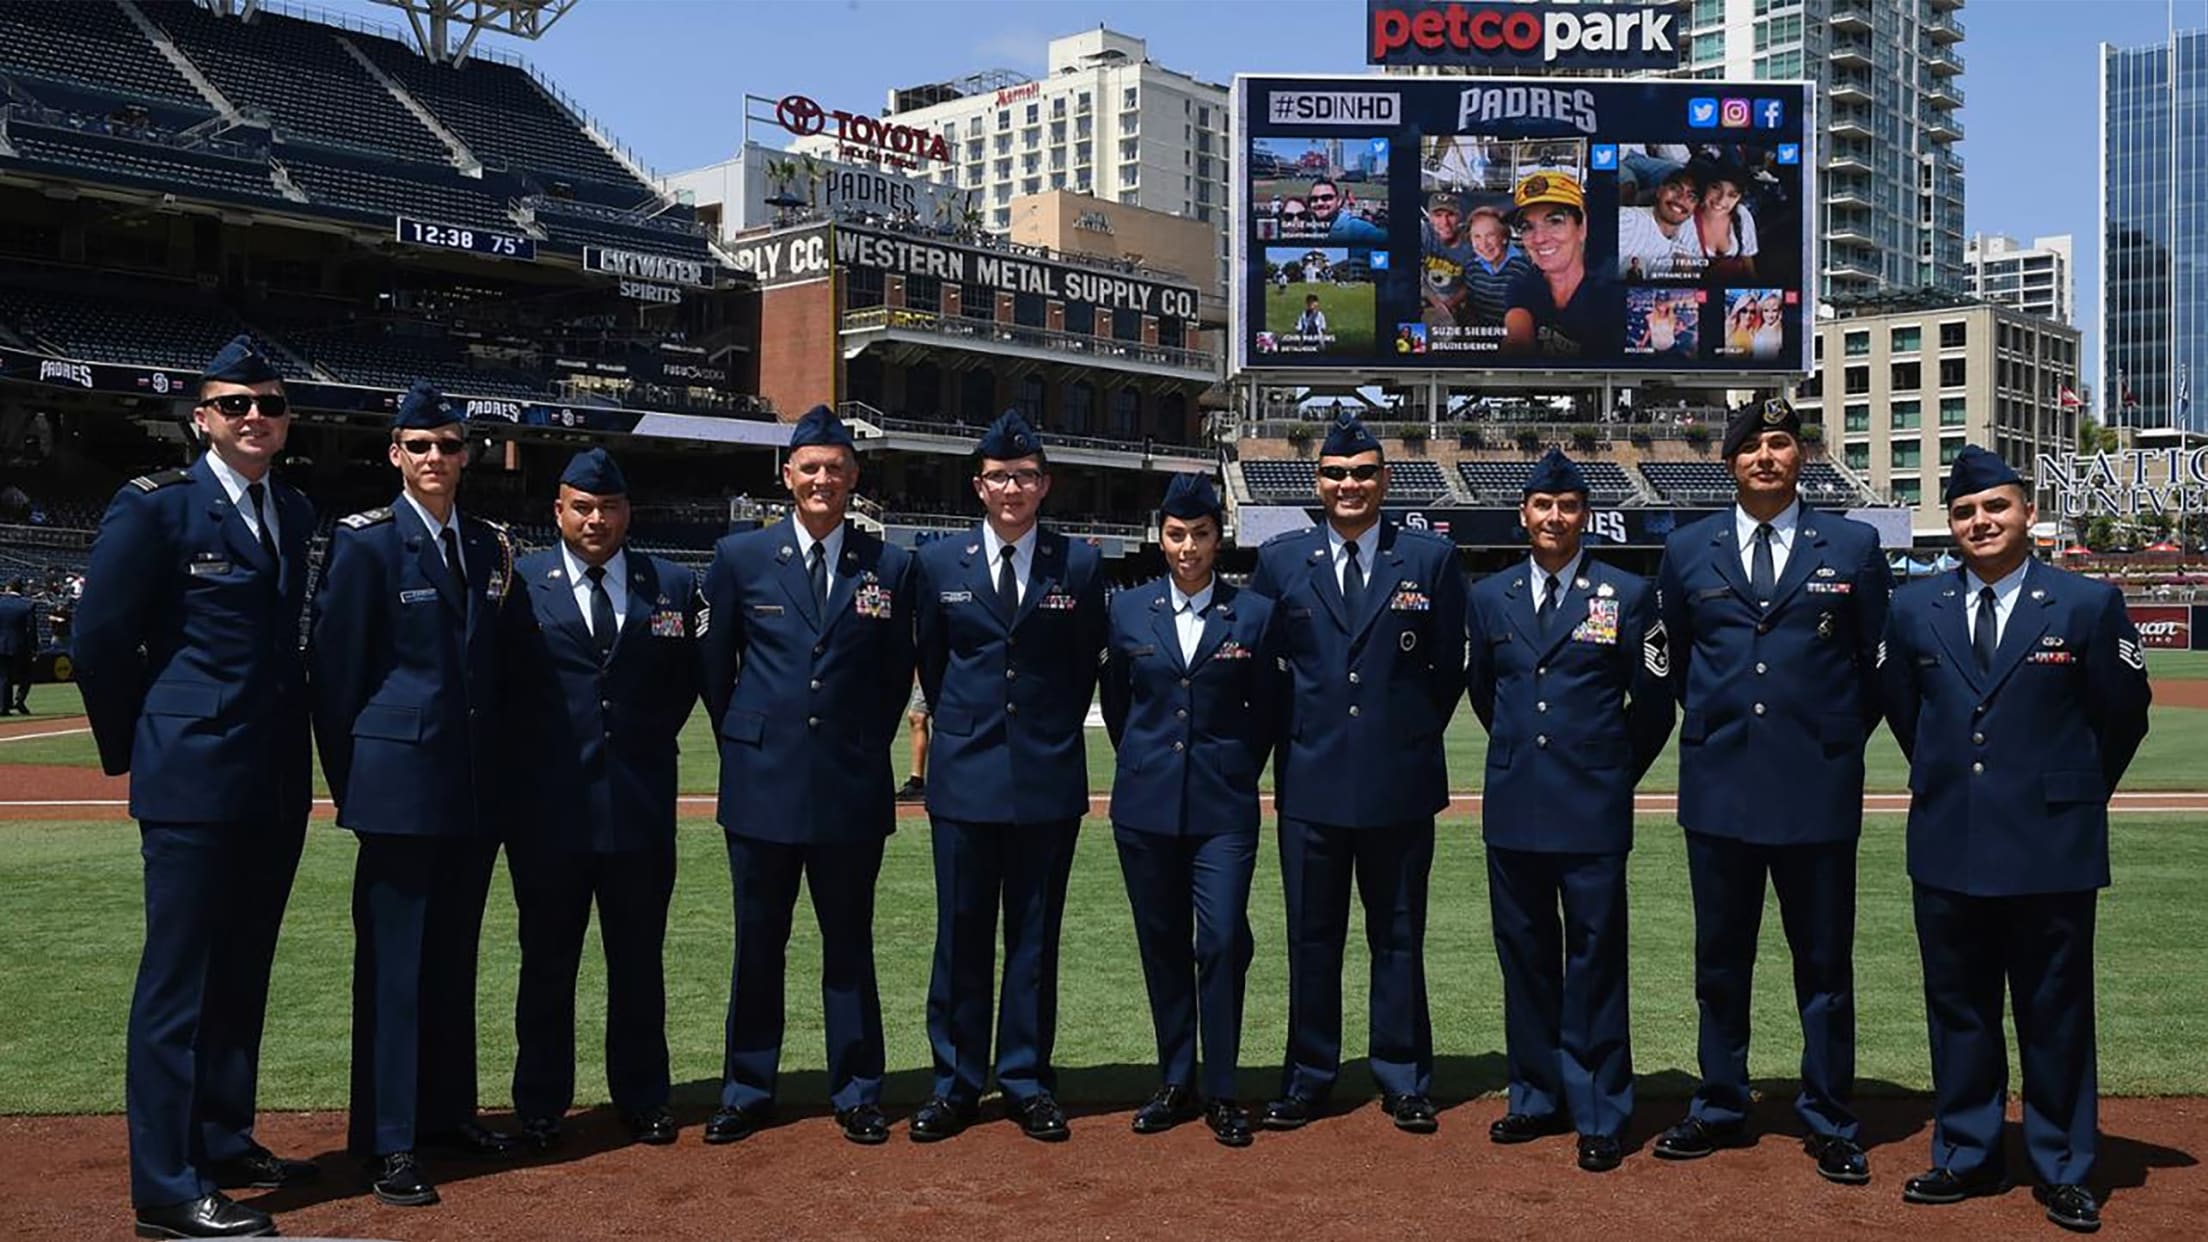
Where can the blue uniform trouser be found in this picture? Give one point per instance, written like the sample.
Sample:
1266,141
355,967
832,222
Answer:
1565,1016
215,897
1191,900
2041,948
1816,890
1390,867
553,892
764,876
1023,867
417,922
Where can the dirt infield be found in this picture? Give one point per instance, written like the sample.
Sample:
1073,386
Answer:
1346,1176
2175,692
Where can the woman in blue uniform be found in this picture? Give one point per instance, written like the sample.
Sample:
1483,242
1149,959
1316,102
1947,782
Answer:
1190,691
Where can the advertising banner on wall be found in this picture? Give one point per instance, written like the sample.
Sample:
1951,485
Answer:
1463,225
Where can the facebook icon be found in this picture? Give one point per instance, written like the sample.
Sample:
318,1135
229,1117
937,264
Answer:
1770,113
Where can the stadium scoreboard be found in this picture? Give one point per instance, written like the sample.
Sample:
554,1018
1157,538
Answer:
434,236
1462,226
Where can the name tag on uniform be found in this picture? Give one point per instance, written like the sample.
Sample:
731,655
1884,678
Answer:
667,624
1231,650
1828,588
874,602
1601,625
418,595
955,597
1711,593
1057,601
766,610
204,569
1411,600
1147,649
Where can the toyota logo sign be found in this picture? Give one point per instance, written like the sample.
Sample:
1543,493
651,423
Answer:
800,116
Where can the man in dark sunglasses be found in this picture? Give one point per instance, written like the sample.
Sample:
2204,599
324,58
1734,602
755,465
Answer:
186,650
1373,617
415,608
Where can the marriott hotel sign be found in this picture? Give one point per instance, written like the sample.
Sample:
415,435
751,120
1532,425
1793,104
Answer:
2126,484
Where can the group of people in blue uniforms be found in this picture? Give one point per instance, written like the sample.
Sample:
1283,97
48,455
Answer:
463,698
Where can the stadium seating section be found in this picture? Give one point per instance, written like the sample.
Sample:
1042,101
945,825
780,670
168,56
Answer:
335,126
1416,480
1607,481
133,332
1280,480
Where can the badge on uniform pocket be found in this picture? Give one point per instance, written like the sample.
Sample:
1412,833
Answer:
1409,598
1601,625
419,595
873,601
209,569
955,597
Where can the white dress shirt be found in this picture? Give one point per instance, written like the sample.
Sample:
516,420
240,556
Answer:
437,529
1368,547
1782,538
234,485
617,585
2005,593
1564,578
831,548
1188,615
1023,555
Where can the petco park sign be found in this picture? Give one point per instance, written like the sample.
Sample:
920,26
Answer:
2165,480
1521,36
867,138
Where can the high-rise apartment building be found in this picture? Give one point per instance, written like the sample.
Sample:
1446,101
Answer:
2035,279
2154,232
1102,120
1891,185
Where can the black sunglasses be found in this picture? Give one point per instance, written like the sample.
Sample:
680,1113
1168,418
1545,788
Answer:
420,448
240,404
1365,473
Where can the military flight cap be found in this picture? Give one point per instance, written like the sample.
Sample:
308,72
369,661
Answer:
422,408
1554,474
240,362
1977,470
821,426
1348,437
1750,421
1190,496
1009,438
595,471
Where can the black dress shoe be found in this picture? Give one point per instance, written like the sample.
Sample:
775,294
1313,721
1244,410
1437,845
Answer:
1599,1153
209,1216
2070,1206
653,1127
1289,1112
1694,1138
1172,1105
1229,1122
470,1139
864,1124
730,1124
262,1169
1942,1186
1525,1127
1041,1118
939,1119
397,1180
1412,1114
540,1133
1838,1159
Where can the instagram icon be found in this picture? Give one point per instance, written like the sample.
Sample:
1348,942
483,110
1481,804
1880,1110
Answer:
1733,114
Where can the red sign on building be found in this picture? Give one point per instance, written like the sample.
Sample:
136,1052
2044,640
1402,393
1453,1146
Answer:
2164,625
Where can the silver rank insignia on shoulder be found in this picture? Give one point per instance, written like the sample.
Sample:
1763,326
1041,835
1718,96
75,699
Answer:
1656,650
555,573
1824,625
1515,583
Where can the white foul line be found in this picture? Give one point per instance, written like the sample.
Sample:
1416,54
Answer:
29,737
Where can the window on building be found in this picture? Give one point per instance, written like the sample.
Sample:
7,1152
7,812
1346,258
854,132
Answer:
1907,454
1004,144
1058,105
1907,340
1004,169
1858,344
1908,376
1950,448
1130,196
1127,98
1954,335
1004,118
1031,185
1126,412
1913,408
1954,372
1908,491
1857,456
1128,148
1203,117
1081,128
862,287
1034,113
1080,407
1856,417
924,293
1857,380
1127,174
1081,152
1905,417
1081,102
1029,399
1057,181
1954,412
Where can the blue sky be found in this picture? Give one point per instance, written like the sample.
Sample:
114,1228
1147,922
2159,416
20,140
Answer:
667,76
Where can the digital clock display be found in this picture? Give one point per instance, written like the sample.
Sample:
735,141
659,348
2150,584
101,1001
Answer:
437,236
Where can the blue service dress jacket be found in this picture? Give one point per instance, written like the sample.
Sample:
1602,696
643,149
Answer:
1192,735
186,650
807,700
2010,770
1370,695
1575,713
406,673
594,742
1011,694
1775,703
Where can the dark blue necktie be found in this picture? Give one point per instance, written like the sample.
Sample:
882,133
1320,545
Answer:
259,493
1984,636
1762,579
1008,583
1353,582
602,628
1549,594
820,576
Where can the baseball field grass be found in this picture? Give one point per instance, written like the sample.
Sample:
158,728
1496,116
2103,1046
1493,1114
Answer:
74,926
1349,311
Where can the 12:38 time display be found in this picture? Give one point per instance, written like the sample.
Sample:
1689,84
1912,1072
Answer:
459,237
